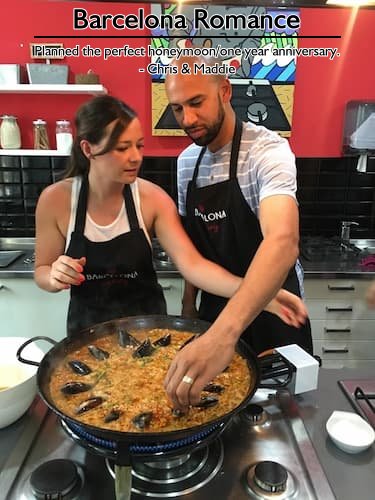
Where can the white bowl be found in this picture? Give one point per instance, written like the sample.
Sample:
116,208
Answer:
349,431
18,379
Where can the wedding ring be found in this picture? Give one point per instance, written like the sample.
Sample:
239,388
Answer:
187,379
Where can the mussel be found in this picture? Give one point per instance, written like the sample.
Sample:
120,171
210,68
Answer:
114,414
145,349
75,387
125,339
163,341
143,419
79,367
207,402
213,388
98,353
89,404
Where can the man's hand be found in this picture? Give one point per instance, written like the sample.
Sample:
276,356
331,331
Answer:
199,361
289,307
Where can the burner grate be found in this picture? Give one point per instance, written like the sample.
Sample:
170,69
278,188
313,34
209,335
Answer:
360,394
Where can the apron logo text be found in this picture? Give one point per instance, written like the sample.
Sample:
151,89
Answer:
210,217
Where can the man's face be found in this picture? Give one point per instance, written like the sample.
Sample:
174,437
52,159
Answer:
197,106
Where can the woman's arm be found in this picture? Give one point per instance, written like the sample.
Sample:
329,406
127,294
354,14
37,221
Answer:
54,271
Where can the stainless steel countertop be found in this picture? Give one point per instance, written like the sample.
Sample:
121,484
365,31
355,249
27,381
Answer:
344,267
21,269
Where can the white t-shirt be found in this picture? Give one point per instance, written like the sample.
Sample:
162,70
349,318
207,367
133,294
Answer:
266,167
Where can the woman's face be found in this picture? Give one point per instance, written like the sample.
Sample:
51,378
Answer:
123,162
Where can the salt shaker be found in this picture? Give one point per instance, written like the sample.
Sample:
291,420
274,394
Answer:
40,134
64,136
10,136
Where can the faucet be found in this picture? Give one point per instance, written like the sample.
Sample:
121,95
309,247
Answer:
345,232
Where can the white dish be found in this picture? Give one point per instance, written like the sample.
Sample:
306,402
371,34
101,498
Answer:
349,431
17,380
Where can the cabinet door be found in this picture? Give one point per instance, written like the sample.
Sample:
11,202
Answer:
342,325
172,288
27,311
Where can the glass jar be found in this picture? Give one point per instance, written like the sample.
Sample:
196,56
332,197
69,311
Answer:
40,134
10,136
64,136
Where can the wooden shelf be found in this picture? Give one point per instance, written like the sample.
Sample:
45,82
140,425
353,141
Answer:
27,88
31,152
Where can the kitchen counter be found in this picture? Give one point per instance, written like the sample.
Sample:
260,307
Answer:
23,266
350,476
343,267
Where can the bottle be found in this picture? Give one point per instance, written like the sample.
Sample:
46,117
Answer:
40,134
10,136
64,137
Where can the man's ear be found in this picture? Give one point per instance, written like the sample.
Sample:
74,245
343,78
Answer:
226,90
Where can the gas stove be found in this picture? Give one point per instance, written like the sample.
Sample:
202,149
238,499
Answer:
263,453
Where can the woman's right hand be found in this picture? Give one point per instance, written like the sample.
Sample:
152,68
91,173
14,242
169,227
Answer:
66,271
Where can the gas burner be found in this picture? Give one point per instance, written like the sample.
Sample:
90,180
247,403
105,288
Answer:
255,415
270,480
113,449
59,479
177,476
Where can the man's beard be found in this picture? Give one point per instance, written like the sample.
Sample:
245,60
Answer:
212,131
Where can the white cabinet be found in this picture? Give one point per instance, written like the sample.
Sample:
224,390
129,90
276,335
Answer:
28,311
343,328
172,288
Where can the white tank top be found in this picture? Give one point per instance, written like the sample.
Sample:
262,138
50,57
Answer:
95,232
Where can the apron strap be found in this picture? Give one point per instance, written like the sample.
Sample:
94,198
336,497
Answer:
79,226
235,149
196,169
130,208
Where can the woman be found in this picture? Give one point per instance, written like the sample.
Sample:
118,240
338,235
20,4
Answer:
94,228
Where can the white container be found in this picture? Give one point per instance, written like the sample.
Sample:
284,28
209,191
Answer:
47,73
10,135
17,380
9,74
349,431
64,136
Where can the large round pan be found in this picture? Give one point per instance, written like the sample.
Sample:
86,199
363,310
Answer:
88,336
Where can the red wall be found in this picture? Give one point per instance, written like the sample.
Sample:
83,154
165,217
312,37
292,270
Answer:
321,91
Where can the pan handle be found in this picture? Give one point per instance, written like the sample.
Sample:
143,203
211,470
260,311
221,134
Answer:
274,367
25,344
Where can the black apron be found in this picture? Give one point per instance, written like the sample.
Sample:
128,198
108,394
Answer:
120,277
225,230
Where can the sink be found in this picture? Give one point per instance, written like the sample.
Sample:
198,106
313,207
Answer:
9,256
365,245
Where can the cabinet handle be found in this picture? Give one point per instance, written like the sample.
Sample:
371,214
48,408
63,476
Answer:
2,287
347,287
337,330
329,350
166,287
339,309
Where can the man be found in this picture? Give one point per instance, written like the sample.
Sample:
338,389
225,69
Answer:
237,187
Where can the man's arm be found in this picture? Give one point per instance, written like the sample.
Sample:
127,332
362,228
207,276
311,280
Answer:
208,355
